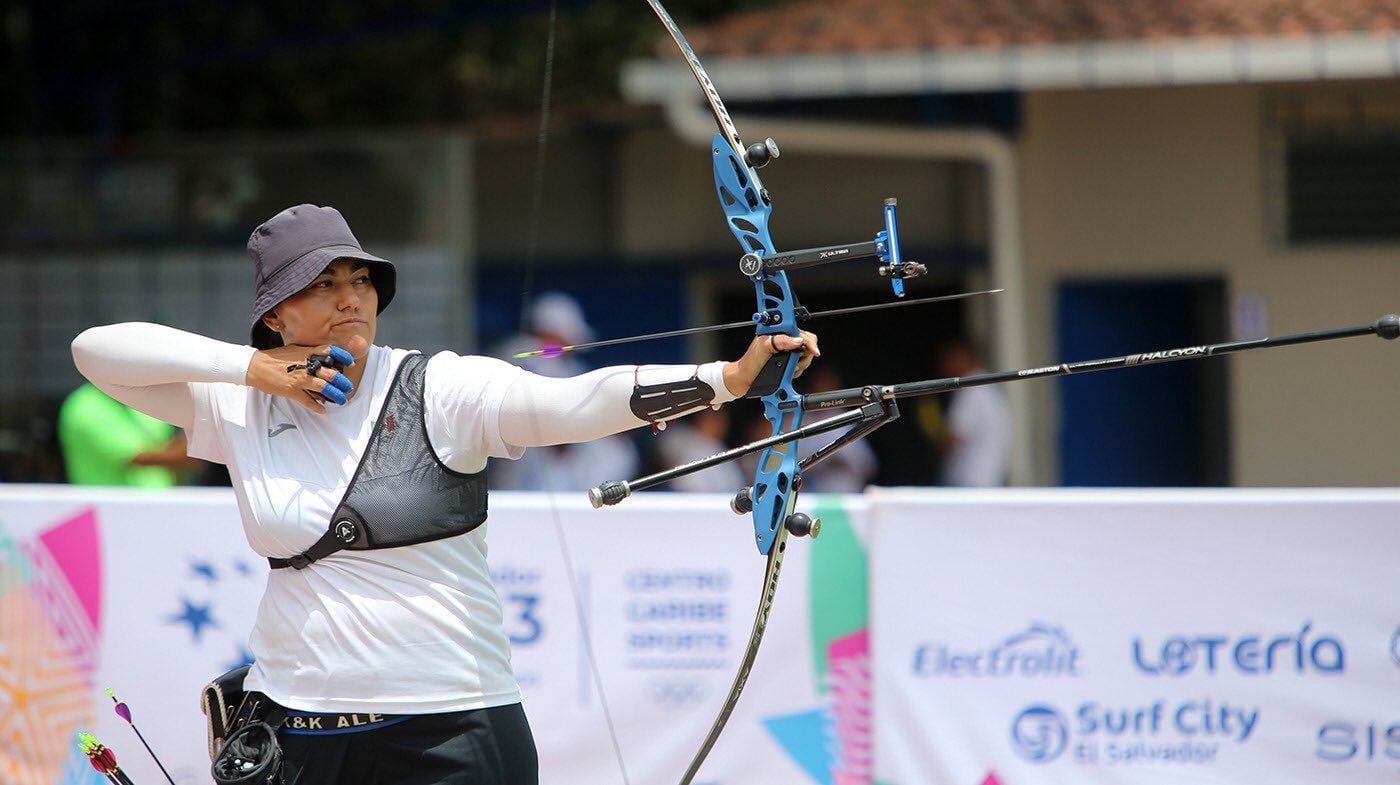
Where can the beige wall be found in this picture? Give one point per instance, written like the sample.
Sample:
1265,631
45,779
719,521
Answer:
1114,183
669,204
1180,181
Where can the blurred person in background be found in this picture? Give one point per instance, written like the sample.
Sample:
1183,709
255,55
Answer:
556,319
359,472
699,436
106,442
848,470
976,433
552,319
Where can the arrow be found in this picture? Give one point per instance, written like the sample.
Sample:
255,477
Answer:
555,351
103,759
125,713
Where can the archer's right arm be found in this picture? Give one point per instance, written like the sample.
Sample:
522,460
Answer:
151,368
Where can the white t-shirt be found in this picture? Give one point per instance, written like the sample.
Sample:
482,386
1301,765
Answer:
981,420
408,630
359,625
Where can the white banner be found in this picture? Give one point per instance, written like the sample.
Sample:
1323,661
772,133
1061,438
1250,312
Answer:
152,594
1019,636
669,584
1138,637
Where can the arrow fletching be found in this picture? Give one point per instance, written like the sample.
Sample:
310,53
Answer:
121,708
549,352
101,756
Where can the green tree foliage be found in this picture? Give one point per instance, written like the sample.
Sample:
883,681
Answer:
118,68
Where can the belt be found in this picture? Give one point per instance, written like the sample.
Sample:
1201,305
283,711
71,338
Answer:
310,723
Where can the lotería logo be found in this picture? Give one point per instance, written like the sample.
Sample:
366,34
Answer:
1039,650
1252,653
1039,734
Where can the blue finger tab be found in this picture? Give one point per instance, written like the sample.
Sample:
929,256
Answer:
340,356
333,395
340,382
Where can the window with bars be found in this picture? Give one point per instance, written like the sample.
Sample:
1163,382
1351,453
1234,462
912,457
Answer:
1341,186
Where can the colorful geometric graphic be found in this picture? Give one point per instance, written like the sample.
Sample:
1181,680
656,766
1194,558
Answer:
833,743
51,615
849,677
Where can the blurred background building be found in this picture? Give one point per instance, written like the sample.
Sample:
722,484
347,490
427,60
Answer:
1137,175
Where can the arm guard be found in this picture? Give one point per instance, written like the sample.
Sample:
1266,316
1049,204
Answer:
657,402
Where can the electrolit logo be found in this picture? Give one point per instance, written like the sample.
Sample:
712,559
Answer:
1041,650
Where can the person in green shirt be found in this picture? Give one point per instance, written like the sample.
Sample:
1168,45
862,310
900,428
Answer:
106,442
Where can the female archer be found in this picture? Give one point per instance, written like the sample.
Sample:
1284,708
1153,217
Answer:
359,472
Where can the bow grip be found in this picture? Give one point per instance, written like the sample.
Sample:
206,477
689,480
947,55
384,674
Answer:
771,376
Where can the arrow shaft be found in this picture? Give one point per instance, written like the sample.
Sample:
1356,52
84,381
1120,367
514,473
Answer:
124,712
736,325
152,753
903,303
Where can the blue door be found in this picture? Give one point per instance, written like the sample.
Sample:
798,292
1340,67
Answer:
1157,425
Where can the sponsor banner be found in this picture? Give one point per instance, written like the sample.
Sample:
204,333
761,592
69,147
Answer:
1124,636
152,594
669,584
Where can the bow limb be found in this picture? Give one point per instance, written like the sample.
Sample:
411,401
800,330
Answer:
760,624
772,498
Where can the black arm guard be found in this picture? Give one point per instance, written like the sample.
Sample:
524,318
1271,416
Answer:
656,402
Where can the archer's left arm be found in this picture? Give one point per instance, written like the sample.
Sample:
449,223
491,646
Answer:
540,410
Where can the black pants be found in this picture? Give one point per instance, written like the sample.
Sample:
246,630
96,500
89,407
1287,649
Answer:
479,747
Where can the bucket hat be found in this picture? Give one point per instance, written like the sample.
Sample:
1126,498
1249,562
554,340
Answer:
292,248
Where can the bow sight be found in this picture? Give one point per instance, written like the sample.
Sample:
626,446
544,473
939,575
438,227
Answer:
884,248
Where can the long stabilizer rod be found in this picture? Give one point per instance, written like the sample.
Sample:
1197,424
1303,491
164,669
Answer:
869,397
1387,327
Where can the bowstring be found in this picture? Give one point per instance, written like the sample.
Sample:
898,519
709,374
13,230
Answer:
526,299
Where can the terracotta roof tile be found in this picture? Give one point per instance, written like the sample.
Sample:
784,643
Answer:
841,26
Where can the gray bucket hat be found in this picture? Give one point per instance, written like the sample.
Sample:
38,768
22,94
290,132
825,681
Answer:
292,248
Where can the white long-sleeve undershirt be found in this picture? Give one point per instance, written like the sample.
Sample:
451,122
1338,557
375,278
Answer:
150,367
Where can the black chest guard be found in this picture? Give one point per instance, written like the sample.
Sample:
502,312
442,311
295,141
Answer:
401,494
